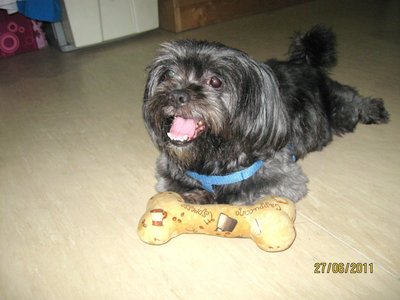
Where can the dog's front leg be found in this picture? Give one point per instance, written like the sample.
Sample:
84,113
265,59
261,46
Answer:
198,197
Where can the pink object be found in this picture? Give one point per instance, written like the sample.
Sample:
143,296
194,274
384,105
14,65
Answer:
19,34
39,34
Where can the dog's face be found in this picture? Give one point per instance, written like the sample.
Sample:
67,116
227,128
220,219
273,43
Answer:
202,98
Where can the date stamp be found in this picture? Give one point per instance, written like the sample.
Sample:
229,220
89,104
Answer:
343,268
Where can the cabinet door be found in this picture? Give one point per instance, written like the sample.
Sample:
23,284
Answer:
84,21
117,18
146,13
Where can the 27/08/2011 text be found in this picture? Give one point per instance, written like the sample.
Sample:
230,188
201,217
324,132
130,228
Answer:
343,268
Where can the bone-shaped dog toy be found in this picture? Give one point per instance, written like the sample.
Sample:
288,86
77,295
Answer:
269,222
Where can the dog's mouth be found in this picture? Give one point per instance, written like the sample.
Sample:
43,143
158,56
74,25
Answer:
184,131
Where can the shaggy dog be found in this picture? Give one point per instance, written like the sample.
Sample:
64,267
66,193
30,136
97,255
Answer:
230,129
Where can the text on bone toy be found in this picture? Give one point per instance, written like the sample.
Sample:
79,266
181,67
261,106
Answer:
246,212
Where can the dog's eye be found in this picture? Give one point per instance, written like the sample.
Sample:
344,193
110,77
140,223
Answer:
168,75
215,82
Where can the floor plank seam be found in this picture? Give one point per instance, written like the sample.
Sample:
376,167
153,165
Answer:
390,272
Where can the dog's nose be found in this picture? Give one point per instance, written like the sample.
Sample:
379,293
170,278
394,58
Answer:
179,97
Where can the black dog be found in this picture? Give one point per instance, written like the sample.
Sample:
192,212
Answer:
230,129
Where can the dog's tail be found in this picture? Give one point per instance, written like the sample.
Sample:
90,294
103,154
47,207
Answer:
317,47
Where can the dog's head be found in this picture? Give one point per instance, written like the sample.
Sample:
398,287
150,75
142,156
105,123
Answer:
203,98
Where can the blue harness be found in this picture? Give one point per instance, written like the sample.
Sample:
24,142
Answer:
207,182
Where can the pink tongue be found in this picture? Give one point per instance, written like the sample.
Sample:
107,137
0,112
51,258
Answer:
181,127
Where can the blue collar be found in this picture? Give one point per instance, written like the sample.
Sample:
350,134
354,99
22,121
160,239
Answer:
207,182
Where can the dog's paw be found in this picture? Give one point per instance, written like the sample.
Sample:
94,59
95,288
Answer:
198,197
373,111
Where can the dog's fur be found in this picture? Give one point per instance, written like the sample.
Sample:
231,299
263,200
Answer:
261,111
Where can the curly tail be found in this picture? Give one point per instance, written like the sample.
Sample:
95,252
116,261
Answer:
317,47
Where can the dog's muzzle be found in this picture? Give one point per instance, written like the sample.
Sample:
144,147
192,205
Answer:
183,128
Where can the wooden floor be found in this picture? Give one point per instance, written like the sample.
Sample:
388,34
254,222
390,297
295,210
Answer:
77,168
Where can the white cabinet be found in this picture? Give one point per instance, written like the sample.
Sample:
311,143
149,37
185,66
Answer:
117,18
144,17
95,21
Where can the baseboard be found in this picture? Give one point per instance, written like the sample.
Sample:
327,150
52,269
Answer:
181,15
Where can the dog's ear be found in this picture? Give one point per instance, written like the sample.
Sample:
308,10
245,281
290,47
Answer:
151,121
261,119
157,68
153,77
